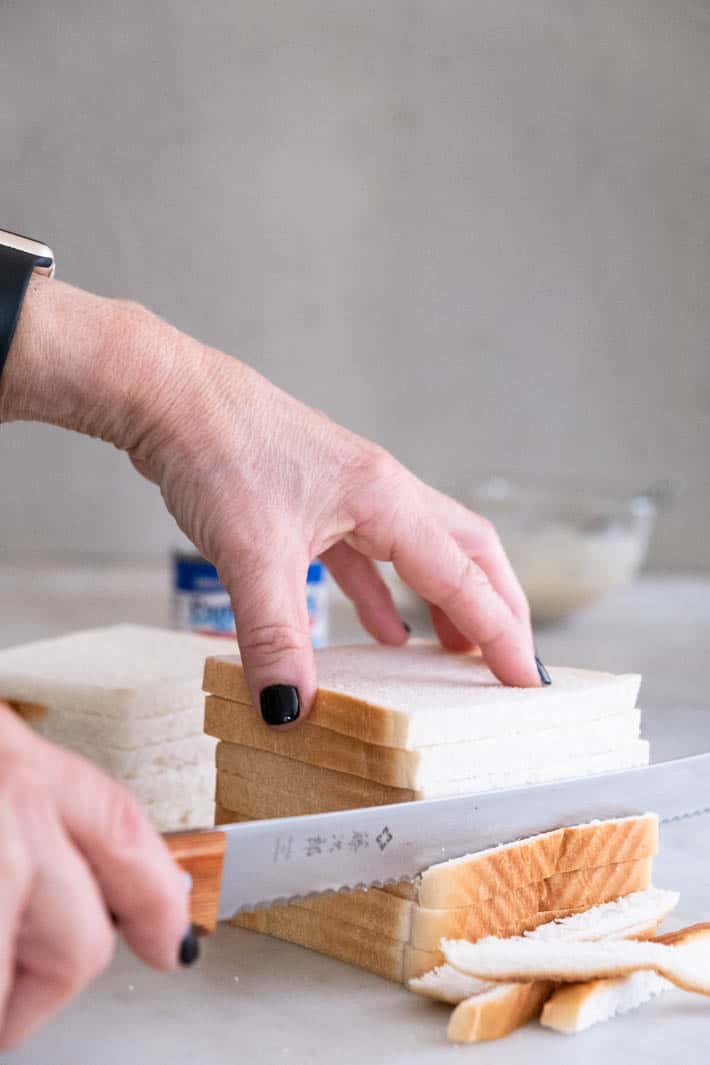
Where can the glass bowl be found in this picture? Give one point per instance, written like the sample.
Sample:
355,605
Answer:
570,542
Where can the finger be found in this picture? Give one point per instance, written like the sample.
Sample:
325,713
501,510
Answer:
65,939
360,580
479,539
430,561
449,636
274,634
15,881
142,885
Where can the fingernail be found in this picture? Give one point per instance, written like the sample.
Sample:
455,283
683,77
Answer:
407,628
280,704
544,675
189,947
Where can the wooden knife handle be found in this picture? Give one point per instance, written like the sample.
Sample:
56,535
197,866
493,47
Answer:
201,854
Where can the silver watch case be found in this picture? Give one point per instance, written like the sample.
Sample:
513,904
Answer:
45,256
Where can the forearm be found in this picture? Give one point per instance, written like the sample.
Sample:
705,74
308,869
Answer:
80,361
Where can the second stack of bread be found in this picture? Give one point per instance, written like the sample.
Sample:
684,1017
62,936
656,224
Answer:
397,724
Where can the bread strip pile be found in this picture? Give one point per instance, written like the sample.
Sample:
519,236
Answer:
128,698
497,1009
511,888
490,1011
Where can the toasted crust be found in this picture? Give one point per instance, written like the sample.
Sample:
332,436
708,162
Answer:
497,1012
243,732
501,869
575,1007
269,797
326,935
530,906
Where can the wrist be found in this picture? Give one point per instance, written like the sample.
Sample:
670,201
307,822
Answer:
82,362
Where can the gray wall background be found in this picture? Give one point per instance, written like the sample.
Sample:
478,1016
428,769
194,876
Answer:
476,231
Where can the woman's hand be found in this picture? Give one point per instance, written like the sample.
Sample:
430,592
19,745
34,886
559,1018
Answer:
75,851
262,485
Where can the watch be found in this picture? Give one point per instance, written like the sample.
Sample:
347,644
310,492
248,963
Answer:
20,257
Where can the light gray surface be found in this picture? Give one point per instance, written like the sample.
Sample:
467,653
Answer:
289,1005
475,231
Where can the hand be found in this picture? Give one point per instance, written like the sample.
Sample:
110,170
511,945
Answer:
262,485
74,848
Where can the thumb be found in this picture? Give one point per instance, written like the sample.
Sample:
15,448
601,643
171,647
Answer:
274,637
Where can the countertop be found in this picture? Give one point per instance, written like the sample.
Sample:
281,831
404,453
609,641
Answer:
252,999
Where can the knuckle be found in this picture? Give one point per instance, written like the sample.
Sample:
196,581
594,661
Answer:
269,643
125,821
469,579
488,532
96,954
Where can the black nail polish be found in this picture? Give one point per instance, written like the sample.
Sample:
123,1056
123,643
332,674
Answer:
407,628
280,704
189,947
544,675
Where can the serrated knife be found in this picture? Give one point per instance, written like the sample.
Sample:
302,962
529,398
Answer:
253,864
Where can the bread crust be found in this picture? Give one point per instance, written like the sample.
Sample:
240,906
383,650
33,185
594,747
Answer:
564,1010
243,731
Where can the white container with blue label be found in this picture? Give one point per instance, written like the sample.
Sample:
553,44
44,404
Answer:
201,602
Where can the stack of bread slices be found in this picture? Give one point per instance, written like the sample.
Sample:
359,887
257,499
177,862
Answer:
400,724
128,698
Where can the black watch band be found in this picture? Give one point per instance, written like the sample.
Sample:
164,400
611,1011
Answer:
15,272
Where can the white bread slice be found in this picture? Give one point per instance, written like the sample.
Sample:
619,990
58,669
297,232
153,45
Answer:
416,769
128,698
576,1007
636,915
303,788
419,695
110,673
521,959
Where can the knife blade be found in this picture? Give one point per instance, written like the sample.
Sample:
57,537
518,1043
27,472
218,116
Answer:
277,861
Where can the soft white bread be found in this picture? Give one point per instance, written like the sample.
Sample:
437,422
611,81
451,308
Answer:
632,916
421,768
575,1007
128,698
521,959
304,788
419,695
119,672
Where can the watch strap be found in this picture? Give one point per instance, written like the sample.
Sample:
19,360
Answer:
15,272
